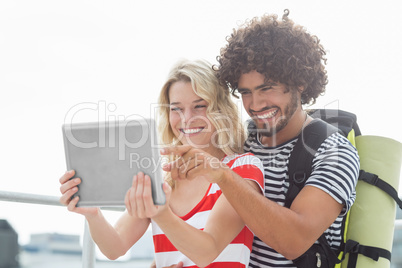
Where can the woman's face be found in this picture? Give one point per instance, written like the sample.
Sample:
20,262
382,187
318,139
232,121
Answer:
188,116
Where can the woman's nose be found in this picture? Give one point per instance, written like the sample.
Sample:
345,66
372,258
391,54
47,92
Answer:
188,114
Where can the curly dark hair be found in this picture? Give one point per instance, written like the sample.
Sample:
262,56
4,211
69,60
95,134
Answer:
280,50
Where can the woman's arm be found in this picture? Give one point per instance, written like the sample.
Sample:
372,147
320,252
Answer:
223,225
112,241
115,241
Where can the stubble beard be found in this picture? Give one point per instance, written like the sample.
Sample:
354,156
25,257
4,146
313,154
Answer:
269,130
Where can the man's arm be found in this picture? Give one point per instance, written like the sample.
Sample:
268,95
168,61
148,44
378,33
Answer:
289,231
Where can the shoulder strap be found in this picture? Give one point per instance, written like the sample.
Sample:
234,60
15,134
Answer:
343,120
300,161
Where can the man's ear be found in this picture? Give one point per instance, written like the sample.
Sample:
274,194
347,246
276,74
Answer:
300,89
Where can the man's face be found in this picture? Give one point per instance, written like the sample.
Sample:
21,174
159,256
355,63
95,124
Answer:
269,104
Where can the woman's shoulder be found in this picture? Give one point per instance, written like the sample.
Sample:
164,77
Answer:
242,159
248,166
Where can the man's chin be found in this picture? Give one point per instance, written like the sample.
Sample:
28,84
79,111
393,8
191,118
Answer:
265,130
265,133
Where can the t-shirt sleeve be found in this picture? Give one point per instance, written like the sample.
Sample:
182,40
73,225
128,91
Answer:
336,170
249,167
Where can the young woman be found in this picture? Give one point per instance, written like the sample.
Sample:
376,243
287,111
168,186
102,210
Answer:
197,225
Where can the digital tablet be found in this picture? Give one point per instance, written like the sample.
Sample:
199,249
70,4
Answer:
106,156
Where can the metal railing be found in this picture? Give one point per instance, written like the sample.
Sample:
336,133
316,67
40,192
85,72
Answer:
88,249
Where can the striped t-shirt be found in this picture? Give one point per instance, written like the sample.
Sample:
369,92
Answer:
237,253
335,170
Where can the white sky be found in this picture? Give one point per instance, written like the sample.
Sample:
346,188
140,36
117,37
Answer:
57,54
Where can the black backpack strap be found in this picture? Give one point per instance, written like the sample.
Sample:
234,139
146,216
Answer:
300,160
354,248
343,120
300,167
383,185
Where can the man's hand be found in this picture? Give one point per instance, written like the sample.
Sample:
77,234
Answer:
194,163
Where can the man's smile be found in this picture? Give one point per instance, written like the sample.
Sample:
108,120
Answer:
266,114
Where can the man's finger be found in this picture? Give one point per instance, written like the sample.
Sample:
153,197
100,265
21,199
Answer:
174,166
176,150
167,167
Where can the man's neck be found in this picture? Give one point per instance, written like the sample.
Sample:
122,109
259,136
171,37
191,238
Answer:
290,131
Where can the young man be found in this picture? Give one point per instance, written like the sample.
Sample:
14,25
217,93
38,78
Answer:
276,67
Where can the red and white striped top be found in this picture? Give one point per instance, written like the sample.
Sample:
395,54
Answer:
237,253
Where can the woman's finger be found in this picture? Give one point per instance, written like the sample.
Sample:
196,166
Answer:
127,202
131,197
139,195
147,197
66,176
168,191
73,203
66,197
69,184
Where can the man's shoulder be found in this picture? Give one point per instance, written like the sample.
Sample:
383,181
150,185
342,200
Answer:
337,140
339,149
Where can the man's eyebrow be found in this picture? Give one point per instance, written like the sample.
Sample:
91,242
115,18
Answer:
266,84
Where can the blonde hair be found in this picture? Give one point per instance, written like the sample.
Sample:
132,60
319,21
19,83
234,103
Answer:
222,112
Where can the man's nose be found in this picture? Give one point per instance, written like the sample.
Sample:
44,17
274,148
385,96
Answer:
257,102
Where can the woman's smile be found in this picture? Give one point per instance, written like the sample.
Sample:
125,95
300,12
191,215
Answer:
191,131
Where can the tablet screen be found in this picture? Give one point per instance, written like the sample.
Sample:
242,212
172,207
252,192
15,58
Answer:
106,156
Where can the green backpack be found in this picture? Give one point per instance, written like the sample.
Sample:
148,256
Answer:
327,122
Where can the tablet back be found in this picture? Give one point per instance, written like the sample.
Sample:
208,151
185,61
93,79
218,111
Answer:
106,156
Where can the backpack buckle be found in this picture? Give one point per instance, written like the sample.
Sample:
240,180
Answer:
355,248
299,177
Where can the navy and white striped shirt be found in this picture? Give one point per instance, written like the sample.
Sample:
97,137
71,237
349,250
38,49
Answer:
335,170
